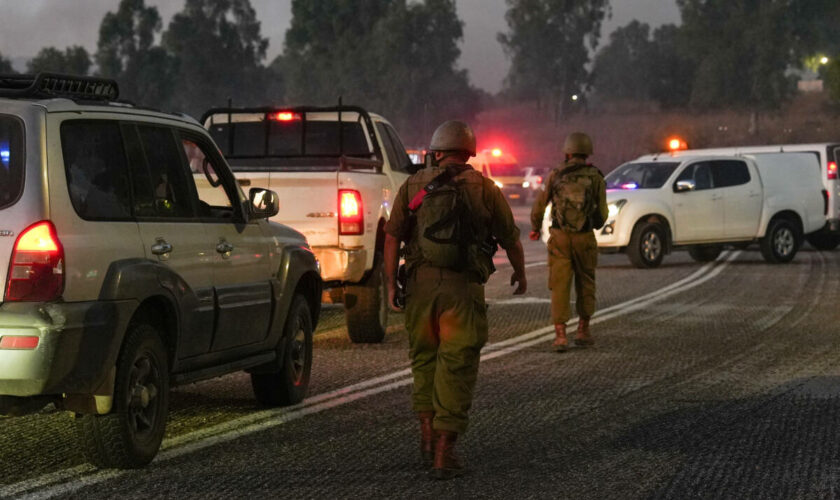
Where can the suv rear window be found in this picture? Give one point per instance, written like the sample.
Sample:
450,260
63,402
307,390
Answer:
12,161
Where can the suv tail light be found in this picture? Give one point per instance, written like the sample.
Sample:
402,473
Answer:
37,269
351,218
832,170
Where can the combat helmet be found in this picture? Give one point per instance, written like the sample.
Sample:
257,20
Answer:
453,135
578,143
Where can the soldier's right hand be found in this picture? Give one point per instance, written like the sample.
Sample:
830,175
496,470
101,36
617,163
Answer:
520,281
534,235
392,295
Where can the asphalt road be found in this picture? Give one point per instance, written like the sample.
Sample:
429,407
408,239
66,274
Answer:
707,381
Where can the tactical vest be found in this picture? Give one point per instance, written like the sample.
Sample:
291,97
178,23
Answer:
572,199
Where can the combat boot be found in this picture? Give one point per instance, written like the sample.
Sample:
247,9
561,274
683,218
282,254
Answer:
427,437
560,343
583,338
446,464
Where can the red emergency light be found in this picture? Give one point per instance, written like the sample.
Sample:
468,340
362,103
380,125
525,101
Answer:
676,144
285,116
496,152
832,170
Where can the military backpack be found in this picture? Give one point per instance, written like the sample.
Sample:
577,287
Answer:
573,203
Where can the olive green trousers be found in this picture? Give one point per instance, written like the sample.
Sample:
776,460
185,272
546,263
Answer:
572,256
446,319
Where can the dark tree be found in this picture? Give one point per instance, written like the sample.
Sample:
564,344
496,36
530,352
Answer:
74,60
620,69
670,70
6,66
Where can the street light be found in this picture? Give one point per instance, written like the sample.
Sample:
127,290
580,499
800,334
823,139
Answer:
575,97
823,60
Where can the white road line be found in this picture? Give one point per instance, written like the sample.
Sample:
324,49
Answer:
536,264
47,486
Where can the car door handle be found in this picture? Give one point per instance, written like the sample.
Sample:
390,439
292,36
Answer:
224,247
161,247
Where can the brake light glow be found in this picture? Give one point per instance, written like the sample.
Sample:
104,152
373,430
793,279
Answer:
285,116
496,152
37,269
832,170
351,218
19,342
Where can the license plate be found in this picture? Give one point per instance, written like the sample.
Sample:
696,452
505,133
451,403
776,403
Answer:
514,197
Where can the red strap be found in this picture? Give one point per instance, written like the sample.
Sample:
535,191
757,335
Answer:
417,200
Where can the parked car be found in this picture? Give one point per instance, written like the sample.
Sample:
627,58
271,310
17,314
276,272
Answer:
533,178
337,171
124,280
660,202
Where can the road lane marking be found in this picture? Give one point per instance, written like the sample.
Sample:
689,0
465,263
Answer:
44,487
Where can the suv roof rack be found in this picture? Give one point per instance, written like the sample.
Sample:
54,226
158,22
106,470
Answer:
49,85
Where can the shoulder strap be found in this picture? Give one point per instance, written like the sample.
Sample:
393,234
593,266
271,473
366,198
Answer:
441,180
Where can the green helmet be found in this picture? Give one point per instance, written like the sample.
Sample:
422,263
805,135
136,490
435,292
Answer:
578,143
453,136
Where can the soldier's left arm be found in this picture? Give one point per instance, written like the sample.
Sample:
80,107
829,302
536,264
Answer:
504,229
602,198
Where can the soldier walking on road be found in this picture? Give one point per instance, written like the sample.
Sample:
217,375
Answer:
577,193
450,218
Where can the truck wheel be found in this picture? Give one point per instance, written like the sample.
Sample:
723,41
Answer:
366,306
705,253
647,245
781,242
130,436
289,384
823,241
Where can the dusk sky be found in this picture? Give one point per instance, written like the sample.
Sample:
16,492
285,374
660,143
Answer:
27,26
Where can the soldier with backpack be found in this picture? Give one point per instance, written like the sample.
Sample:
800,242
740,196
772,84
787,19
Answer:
450,218
578,197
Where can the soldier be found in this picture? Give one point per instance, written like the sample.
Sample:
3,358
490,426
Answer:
578,196
450,218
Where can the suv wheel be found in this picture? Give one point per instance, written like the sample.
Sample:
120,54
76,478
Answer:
130,436
647,245
366,306
289,384
705,253
781,242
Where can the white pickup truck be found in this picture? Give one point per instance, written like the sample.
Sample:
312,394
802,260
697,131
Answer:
336,171
659,202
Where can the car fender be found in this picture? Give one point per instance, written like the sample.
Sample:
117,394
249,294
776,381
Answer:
297,262
634,211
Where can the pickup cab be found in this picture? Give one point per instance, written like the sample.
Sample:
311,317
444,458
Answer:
336,171
701,202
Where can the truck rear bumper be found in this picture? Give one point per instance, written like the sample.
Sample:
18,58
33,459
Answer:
341,264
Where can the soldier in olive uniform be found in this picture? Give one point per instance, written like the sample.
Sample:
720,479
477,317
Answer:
577,193
450,217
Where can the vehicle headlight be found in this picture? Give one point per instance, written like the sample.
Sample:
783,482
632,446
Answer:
526,185
615,207
498,184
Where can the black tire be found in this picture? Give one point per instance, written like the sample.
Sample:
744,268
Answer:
823,241
705,253
781,242
366,306
129,437
647,245
289,384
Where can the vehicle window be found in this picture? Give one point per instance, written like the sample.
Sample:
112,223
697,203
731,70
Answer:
213,199
505,169
161,186
389,147
640,175
404,163
12,161
700,173
726,173
97,173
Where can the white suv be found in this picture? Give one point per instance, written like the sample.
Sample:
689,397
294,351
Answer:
123,279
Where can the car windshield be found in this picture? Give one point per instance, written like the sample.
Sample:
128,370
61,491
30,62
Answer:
505,170
11,160
640,175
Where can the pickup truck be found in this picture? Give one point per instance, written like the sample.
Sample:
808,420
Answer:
660,202
336,171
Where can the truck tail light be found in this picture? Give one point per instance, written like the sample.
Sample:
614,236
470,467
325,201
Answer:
37,269
832,170
19,342
351,218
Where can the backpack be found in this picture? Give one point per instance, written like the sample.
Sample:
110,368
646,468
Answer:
444,222
572,200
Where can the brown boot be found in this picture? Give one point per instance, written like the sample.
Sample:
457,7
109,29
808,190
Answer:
560,343
446,465
583,338
427,436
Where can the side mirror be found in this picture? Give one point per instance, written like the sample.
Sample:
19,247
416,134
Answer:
684,186
264,203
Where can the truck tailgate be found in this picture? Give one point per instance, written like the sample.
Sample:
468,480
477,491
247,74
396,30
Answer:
308,203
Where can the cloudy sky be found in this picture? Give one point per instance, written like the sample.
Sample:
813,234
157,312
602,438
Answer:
28,25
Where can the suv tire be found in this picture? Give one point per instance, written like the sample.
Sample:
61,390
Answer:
781,242
289,384
130,436
366,306
647,245
705,253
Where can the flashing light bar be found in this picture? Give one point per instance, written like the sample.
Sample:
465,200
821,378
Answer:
496,152
285,116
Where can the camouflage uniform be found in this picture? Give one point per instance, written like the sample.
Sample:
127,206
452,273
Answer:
446,316
572,249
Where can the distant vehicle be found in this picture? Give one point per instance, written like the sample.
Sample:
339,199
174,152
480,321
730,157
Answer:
337,170
534,178
828,155
660,202
503,168
416,155
123,279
